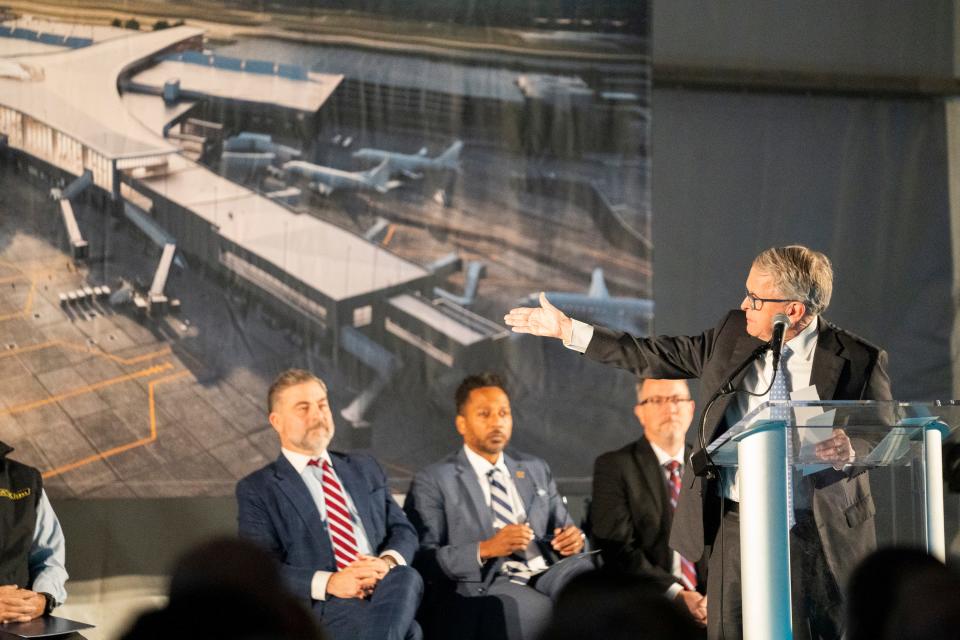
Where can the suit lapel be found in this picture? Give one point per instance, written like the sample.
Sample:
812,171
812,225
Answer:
521,480
355,486
651,474
467,478
745,345
827,364
294,488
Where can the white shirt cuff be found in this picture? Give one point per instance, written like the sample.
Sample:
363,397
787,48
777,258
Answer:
580,336
673,590
396,557
318,586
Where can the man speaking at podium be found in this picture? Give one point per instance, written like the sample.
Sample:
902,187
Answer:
832,525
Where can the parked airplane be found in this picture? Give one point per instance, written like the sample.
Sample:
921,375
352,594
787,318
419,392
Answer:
597,306
412,165
326,180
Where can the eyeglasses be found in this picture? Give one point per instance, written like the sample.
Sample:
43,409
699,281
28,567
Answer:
660,400
757,303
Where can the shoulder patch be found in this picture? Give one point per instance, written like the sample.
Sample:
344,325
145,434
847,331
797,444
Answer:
15,495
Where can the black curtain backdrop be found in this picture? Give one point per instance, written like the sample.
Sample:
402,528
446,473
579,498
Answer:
864,181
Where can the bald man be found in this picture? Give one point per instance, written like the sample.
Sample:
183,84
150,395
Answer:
635,490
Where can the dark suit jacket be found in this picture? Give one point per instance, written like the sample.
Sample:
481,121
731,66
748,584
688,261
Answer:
845,367
277,511
446,505
630,514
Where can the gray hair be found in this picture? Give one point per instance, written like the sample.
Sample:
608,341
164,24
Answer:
799,273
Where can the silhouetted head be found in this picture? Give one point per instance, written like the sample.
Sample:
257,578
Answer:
903,594
614,606
227,588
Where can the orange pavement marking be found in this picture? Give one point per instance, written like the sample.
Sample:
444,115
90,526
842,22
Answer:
84,348
20,408
124,447
97,352
27,307
23,274
390,231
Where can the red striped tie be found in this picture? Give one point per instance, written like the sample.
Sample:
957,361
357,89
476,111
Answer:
339,522
687,568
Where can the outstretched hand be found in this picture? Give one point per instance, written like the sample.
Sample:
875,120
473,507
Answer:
545,320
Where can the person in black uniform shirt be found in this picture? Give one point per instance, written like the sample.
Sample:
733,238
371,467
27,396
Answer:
32,557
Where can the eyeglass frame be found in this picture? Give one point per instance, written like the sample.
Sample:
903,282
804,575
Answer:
754,300
659,401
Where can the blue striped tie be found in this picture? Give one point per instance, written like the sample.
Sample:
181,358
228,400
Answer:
500,502
502,507
781,391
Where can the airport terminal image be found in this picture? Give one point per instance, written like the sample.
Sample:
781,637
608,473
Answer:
445,319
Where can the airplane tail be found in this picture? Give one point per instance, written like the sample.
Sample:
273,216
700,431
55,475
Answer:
598,285
379,176
451,155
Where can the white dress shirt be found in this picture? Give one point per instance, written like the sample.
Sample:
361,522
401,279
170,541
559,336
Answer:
482,466
580,336
318,586
663,458
47,557
800,366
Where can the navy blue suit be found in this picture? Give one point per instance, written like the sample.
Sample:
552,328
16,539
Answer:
277,512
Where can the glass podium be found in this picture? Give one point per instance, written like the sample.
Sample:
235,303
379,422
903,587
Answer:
883,435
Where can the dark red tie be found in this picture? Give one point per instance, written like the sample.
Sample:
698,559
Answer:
687,569
339,522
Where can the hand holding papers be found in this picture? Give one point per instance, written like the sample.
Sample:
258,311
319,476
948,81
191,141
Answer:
818,438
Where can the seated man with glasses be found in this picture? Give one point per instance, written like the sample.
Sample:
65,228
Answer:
635,491
833,509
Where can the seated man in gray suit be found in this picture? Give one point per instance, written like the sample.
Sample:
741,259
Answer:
492,526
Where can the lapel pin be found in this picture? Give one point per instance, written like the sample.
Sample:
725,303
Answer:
521,474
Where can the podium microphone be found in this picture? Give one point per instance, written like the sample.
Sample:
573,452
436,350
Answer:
702,464
780,325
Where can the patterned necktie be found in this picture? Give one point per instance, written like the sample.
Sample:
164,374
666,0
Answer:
500,502
781,391
339,523
688,572
502,507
